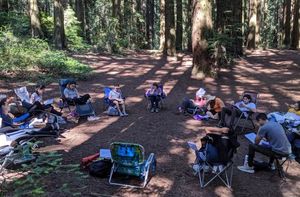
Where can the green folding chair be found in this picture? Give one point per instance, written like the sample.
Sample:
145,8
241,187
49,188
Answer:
129,159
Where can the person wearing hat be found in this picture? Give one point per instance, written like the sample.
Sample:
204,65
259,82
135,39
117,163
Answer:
214,106
72,95
199,101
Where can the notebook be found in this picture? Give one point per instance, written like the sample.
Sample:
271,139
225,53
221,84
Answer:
192,145
105,153
251,137
49,101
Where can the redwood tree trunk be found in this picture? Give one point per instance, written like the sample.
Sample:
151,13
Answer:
80,14
59,29
287,23
35,24
179,24
162,26
170,33
252,25
295,32
150,23
202,23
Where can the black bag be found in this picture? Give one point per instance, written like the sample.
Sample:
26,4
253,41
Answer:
100,168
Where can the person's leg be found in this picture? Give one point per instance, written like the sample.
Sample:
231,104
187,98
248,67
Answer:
118,107
122,103
152,101
267,151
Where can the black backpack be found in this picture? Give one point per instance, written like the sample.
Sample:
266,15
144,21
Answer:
100,168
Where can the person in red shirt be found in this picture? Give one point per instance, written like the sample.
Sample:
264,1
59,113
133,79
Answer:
214,106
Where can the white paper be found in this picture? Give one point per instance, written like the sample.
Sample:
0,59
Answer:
49,101
105,153
251,137
192,145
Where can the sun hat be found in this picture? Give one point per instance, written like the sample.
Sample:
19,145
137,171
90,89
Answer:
201,92
210,98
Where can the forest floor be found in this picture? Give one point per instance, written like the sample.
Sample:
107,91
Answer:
274,74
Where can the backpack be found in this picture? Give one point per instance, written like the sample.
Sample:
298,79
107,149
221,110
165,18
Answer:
100,168
112,111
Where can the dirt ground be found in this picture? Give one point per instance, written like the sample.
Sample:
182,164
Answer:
274,74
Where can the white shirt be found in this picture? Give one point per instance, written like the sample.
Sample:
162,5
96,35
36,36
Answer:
35,97
114,95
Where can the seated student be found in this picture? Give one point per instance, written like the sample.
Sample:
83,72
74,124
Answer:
72,95
272,132
154,94
37,99
295,108
200,101
214,106
242,107
115,96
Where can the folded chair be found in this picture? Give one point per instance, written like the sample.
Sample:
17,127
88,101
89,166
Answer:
242,120
211,170
129,160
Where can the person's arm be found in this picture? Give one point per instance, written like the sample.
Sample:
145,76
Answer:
260,135
251,107
258,139
66,93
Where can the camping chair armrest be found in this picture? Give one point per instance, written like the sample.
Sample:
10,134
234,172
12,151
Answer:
149,160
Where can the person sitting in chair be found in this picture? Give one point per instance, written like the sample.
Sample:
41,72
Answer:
295,108
36,99
154,94
72,95
273,133
242,107
200,101
214,106
115,96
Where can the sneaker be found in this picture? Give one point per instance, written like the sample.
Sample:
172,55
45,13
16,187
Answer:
125,114
121,114
246,168
180,109
152,110
273,167
93,118
156,110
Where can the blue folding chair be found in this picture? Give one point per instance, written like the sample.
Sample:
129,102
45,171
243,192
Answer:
106,101
129,159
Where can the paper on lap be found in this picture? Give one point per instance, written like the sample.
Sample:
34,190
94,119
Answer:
192,145
251,137
49,101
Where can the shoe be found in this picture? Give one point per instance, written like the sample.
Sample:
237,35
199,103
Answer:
180,109
93,118
125,114
246,168
272,166
156,110
152,110
121,114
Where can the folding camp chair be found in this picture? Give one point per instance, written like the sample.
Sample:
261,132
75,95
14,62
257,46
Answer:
64,103
106,101
242,119
128,159
207,174
23,94
280,160
161,103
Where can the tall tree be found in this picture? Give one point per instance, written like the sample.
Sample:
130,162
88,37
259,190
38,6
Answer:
252,25
179,24
150,23
162,26
189,24
202,24
59,29
170,33
287,22
4,5
80,15
295,31
35,24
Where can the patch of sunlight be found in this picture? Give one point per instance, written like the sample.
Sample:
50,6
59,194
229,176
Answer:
130,125
223,191
177,150
132,100
177,73
169,85
113,72
193,125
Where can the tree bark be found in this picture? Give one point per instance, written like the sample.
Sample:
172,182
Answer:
287,23
162,26
150,23
170,32
179,21
35,24
202,23
295,31
80,14
59,29
189,25
252,25
4,5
